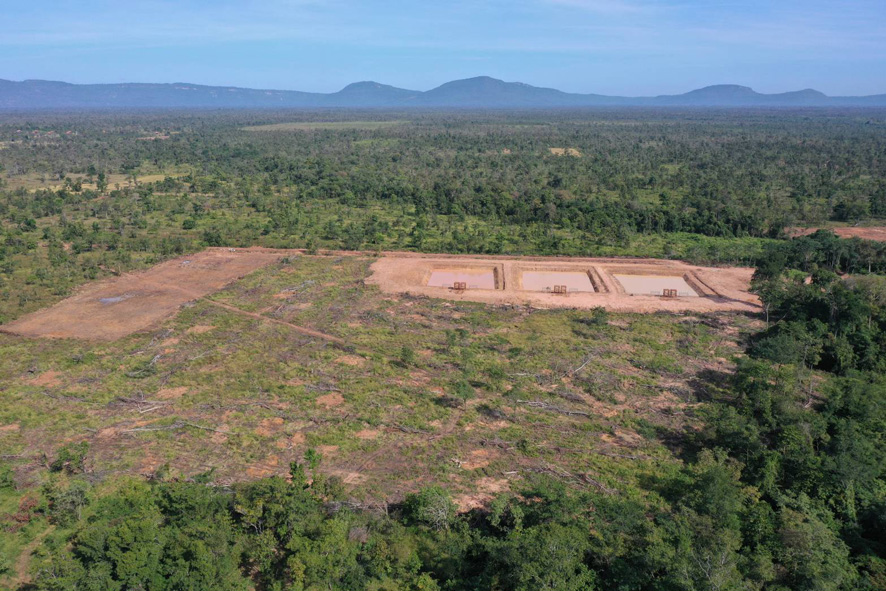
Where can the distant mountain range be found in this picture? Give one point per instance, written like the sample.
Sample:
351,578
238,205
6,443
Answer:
480,92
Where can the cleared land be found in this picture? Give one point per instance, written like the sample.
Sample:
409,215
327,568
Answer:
587,397
565,152
720,288
549,280
34,181
654,285
111,309
114,308
877,233
472,278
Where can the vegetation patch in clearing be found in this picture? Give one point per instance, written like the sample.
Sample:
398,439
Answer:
565,152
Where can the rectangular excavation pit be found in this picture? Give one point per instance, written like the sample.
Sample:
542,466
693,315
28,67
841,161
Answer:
575,281
655,285
469,277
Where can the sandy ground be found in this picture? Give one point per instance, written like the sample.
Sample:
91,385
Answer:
871,233
655,285
720,289
113,308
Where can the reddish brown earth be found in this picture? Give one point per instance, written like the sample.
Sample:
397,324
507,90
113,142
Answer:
113,308
877,233
719,289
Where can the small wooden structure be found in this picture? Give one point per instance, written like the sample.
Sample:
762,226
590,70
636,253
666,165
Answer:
560,290
669,293
460,286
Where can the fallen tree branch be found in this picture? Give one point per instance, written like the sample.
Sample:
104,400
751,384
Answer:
577,478
551,407
411,430
177,426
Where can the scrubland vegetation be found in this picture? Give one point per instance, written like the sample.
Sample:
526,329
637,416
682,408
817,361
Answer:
446,445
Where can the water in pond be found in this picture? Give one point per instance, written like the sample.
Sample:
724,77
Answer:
654,285
546,280
474,278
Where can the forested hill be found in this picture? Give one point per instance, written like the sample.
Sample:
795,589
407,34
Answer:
479,92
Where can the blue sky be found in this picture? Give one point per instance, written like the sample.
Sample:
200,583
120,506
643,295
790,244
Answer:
630,47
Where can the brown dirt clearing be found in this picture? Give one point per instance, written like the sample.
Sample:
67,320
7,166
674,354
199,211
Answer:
48,378
330,400
718,288
110,309
877,233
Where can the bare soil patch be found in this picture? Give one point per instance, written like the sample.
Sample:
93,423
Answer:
565,152
549,280
114,308
472,278
294,440
704,289
330,400
47,378
486,489
349,477
654,285
877,233
352,360
478,458
199,329
171,393
269,427
367,434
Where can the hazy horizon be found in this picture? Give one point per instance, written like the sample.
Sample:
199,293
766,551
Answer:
423,90
613,47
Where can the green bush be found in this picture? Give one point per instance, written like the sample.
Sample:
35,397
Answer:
71,458
7,480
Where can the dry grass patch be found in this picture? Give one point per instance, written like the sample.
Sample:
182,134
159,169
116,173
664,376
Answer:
565,152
